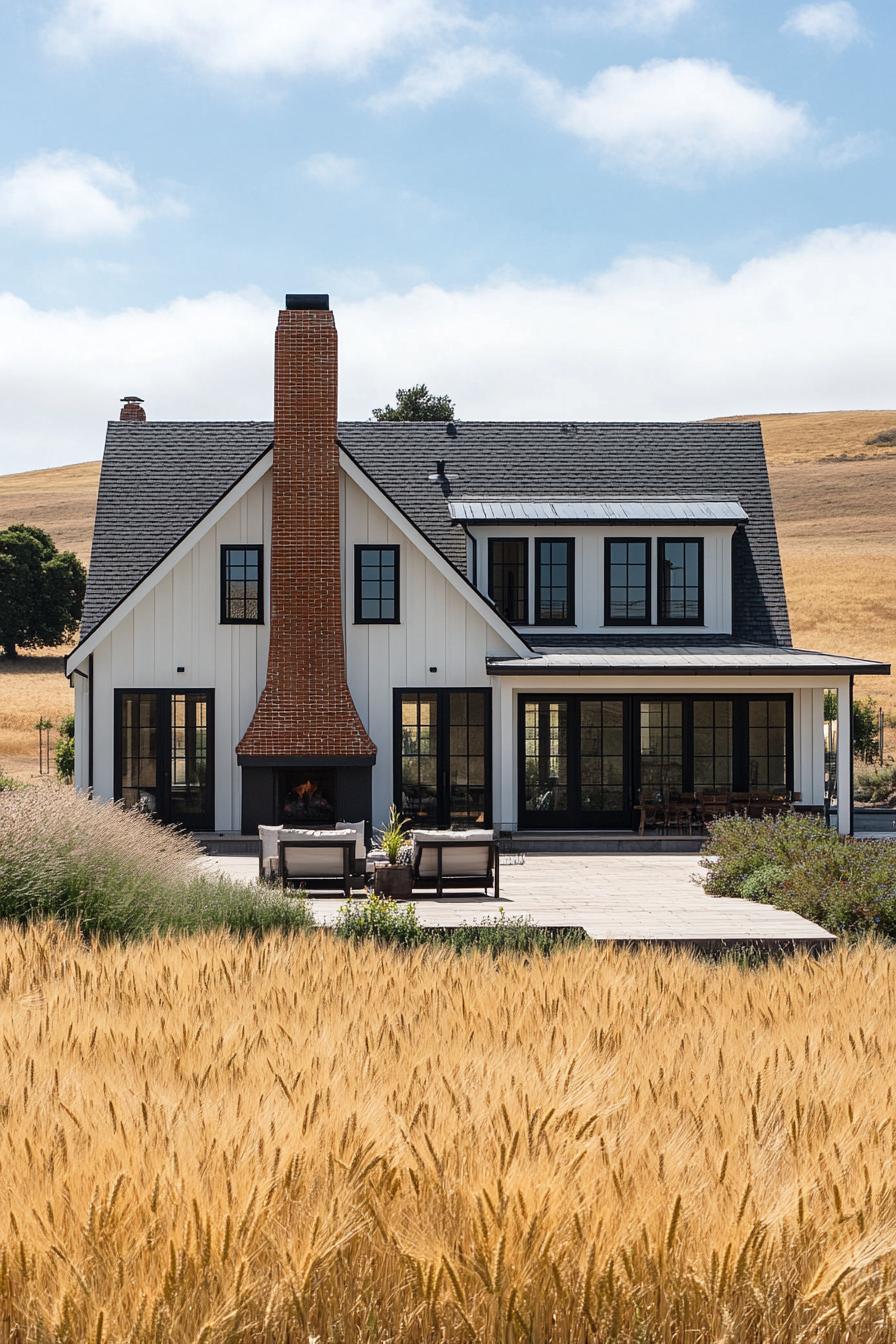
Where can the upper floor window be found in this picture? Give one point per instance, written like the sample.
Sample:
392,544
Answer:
627,581
376,585
508,577
242,585
681,582
554,582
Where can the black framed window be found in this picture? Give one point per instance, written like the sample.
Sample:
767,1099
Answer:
767,744
662,763
376,585
242,585
627,581
681,581
713,743
554,580
164,744
508,577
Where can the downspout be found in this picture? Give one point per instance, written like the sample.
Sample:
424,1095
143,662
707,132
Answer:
90,725
852,757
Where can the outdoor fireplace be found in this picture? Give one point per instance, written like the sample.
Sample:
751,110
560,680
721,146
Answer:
306,797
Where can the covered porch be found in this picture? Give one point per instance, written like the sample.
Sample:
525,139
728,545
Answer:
662,741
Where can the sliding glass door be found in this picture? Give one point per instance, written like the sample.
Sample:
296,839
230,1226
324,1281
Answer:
163,755
443,757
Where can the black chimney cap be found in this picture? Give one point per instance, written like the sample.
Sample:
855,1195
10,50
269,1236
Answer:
319,302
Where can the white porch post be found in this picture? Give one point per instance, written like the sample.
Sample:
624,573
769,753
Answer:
505,775
844,756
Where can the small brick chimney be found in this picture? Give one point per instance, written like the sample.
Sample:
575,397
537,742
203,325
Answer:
306,715
132,409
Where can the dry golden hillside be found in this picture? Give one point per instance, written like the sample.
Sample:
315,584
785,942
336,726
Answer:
835,497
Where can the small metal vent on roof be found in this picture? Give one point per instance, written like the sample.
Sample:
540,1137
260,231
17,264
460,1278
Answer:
451,429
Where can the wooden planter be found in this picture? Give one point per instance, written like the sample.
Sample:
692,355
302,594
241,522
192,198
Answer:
395,880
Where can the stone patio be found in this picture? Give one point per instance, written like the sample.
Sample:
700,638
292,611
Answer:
613,897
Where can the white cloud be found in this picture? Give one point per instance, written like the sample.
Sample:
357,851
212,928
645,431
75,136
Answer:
672,117
332,170
835,22
254,37
668,119
808,327
648,15
75,196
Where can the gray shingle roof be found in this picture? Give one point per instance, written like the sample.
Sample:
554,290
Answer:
610,460
157,481
160,478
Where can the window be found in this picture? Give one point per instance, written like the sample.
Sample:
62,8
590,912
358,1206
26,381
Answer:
554,582
376,585
627,582
242,582
163,755
713,745
681,582
443,757
508,577
768,738
662,746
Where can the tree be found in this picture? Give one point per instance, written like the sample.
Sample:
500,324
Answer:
416,403
41,590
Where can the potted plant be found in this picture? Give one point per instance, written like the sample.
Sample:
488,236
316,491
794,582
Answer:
395,878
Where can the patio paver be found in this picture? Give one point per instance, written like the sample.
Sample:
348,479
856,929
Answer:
613,897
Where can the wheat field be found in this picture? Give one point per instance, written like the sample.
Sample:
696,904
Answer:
303,1139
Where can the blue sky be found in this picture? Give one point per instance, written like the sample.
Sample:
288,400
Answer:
623,209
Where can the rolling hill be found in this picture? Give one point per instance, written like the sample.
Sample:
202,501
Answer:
835,499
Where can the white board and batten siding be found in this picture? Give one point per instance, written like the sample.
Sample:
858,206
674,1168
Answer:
440,641
177,624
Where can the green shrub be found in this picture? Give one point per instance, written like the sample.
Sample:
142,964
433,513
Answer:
118,872
381,919
65,748
507,933
796,863
876,785
7,782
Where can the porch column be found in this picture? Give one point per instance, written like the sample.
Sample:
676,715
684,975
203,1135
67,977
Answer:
505,775
844,756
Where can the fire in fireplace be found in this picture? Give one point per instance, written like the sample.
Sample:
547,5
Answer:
307,798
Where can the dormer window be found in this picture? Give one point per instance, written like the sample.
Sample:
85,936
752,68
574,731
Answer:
554,582
681,581
627,581
508,577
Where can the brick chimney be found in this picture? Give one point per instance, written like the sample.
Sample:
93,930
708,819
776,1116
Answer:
132,409
306,714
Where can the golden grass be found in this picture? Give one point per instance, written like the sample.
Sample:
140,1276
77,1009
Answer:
302,1139
61,500
32,686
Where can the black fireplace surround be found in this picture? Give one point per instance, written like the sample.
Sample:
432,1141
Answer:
305,792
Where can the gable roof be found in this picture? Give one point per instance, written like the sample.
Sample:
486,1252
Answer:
160,478
158,481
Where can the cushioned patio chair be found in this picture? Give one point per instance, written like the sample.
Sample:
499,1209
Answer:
269,856
455,859
318,860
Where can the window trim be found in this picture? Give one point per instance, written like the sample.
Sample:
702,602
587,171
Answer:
570,618
662,618
226,547
609,618
377,620
526,547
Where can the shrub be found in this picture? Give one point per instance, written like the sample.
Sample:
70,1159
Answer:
876,786
796,863
65,748
380,919
65,856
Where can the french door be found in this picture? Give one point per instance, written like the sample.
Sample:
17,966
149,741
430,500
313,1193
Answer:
574,762
442,756
163,755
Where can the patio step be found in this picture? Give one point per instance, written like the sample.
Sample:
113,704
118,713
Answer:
599,842
227,842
